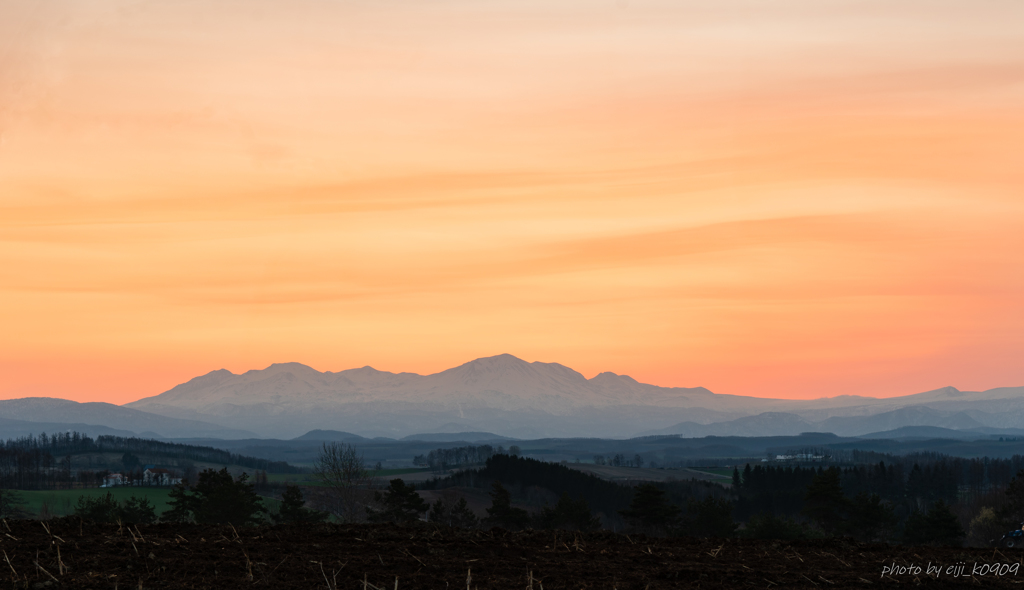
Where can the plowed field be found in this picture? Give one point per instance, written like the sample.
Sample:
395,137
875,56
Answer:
73,554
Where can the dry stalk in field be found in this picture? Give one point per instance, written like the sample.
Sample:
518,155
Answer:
368,585
9,564
46,572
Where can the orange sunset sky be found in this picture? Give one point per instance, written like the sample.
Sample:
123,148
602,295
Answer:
787,198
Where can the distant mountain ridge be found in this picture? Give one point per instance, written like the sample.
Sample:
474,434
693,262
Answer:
47,414
502,381
511,397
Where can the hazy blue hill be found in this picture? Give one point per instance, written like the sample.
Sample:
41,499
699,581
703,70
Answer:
19,428
903,417
46,412
934,432
471,437
764,424
329,435
924,432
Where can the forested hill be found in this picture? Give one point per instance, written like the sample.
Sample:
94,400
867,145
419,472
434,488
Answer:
601,495
73,443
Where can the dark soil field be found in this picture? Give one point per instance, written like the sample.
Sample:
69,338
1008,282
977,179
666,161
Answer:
67,553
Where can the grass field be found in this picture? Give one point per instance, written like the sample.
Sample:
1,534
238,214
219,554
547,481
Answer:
62,502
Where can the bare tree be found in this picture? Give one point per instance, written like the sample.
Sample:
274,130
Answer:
12,504
342,471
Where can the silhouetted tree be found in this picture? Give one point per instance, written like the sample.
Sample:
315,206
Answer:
824,502
97,509
939,526
568,514
710,517
399,503
293,510
137,510
1011,513
342,471
107,509
449,511
181,503
870,518
501,513
216,498
12,504
649,510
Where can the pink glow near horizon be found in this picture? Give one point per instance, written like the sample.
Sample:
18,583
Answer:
791,199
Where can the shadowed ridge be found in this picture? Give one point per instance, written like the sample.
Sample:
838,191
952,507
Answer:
609,376
275,368
211,379
370,371
509,373
329,435
504,360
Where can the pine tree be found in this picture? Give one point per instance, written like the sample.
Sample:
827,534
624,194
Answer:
216,498
137,510
182,505
97,509
501,513
12,504
870,518
569,514
108,509
1011,513
400,504
649,509
293,510
711,517
824,502
223,499
453,514
938,527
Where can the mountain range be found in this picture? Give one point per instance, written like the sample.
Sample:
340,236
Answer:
507,396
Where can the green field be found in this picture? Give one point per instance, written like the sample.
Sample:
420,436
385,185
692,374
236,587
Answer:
62,502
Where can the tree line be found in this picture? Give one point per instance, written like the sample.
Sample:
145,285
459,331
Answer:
918,503
620,460
440,460
44,461
522,472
